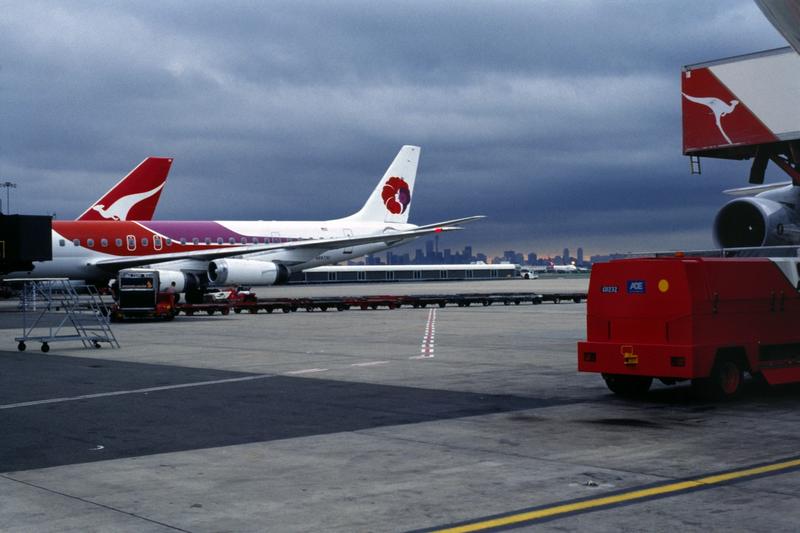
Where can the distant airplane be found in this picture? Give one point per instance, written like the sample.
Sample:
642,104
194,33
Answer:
552,267
195,254
135,196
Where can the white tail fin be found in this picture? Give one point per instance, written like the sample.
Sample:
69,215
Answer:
391,199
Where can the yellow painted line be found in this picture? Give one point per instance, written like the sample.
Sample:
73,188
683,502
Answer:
621,498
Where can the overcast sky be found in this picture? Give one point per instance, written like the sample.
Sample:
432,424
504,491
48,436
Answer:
559,120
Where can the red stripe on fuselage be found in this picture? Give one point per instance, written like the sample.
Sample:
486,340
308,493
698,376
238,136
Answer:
111,230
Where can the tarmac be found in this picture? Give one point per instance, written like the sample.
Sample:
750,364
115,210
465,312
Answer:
470,418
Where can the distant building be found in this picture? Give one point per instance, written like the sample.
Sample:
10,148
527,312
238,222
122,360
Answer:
565,257
580,256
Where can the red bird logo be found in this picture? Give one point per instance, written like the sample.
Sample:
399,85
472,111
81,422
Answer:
396,195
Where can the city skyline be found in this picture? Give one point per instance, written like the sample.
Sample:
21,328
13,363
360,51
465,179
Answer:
429,252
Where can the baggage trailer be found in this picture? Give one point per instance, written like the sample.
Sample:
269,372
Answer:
708,320
138,297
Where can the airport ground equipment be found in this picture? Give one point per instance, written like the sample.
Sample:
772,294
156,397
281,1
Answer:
51,308
708,320
138,297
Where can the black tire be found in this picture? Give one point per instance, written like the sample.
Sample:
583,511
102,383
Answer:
21,346
577,299
96,345
724,382
237,310
269,310
45,347
442,304
628,386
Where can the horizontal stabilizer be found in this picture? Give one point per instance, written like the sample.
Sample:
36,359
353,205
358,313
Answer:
455,221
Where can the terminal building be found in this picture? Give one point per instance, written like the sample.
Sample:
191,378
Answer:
375,273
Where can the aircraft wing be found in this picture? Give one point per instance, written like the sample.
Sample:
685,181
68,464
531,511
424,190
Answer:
755,189
118,263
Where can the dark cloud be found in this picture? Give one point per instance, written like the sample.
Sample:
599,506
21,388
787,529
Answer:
559,120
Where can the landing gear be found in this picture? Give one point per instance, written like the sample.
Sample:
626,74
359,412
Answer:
45,347
21,346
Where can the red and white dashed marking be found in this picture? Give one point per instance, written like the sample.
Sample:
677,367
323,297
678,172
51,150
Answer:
429,338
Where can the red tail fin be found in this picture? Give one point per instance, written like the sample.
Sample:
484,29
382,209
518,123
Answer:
136,195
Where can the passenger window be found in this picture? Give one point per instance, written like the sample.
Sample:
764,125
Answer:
104,243
76,242
118,242
195,241
144,241
183,240
61,242
90,243
255,240
231,240
156,241
168,241
244,240
219,240
207,240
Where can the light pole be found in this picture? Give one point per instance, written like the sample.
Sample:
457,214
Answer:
8,186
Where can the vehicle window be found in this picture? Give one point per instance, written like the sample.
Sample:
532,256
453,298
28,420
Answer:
76,242
255,240
219,240
244,240
195,241
208,240
231,240
61,242
168,241
144,241
157,241
90,243
104,243
118,242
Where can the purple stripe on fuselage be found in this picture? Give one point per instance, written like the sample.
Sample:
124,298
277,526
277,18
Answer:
179,229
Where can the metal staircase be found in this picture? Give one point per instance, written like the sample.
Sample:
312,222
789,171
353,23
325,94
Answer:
56,306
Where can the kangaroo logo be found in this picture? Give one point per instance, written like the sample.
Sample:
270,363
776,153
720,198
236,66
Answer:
718,107
396,195
120,208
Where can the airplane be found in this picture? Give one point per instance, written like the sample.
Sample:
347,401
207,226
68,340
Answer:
135,196
552,267
745,108
197,254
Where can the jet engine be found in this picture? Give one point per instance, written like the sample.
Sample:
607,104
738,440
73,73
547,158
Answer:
246,272
756,221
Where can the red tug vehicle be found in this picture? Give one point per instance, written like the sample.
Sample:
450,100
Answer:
704,319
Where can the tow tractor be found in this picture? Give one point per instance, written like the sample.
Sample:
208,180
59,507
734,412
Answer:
708,320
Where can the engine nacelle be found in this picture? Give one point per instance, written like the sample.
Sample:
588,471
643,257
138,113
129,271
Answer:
184,281
756,221
246,272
